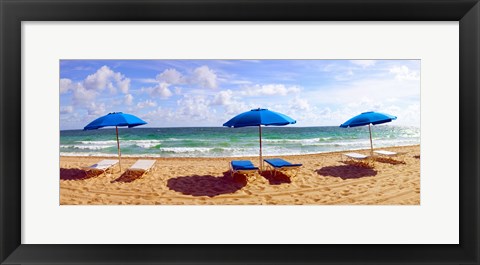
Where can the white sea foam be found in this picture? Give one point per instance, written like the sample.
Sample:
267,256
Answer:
86,147
108,142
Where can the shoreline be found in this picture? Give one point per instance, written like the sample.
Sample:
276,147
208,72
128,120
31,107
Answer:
232,157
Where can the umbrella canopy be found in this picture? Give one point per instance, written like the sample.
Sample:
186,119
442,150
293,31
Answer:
259,117
115,119
368,118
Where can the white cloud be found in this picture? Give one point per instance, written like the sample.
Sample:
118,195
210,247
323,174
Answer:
146,103
128,99
223,97
204,77
269,90
195,107
404,73
171,76
106,78
82,95
235,108
65,85
161,90
123,84
96,109
66,109
364,63
147,80
230,105
300,104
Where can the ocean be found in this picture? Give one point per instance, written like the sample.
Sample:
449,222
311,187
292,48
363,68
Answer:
231,142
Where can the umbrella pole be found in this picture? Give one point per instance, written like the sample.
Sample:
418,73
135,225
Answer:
371,144
119,153
260,133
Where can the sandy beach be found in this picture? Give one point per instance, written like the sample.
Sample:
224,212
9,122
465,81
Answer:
324,179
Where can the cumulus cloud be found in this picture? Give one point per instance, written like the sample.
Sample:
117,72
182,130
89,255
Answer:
230,105
223,97
270,90
404,73
128,99
204,77
82,95
161,90
65,85
96,109
124,85
195,107
106,78
300,104
146,103
85,91
171,76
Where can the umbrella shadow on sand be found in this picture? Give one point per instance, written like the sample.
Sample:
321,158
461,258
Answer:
76,174
207,185
129,176
346,172
277,179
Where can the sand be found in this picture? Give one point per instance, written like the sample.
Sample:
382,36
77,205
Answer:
324,179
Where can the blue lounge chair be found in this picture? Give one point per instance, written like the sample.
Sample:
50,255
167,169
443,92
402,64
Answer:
244,167
280,165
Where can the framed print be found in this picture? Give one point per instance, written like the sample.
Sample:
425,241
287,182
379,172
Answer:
123,138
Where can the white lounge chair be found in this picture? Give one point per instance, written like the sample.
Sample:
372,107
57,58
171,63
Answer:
142,166
364,159
356,156
390,154
385,153
102,166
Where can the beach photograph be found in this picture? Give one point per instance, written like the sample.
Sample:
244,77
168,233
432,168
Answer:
239,132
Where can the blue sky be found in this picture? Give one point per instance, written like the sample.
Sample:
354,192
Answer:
187,93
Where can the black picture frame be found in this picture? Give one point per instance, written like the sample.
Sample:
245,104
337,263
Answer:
13,12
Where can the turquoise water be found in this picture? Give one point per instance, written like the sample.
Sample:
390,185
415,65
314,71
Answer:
230,142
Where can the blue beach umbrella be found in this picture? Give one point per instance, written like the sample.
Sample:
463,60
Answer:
115,119
368,118
259,117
